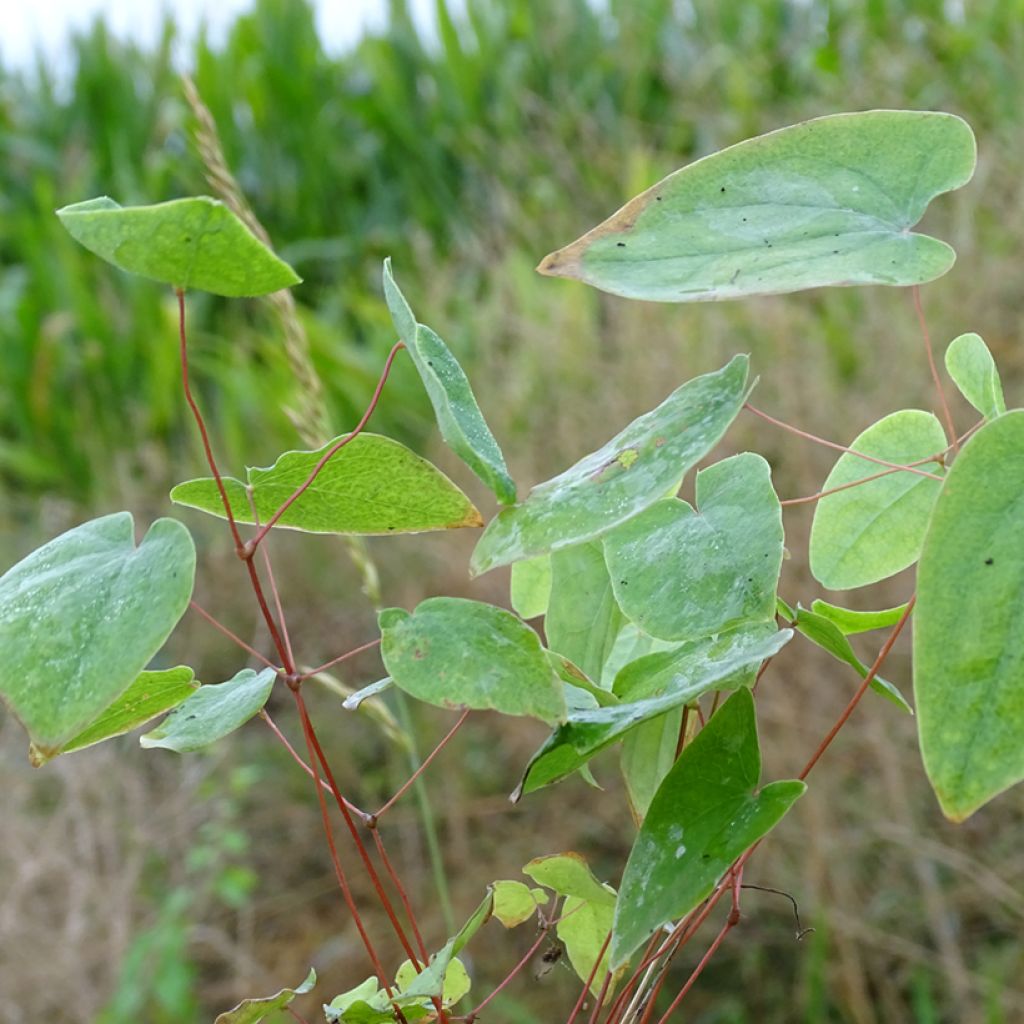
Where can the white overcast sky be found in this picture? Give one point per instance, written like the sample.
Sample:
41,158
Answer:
46,23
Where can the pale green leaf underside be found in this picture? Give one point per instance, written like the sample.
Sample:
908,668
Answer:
186,243
82,616
568,874
457,653
461,423
973,370
650,687
213,712
628,474
152,694
680,574
707,811
969,624
825,202
872,531
252,1011
850,622
373,485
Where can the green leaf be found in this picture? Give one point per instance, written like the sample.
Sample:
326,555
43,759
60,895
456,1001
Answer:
850,622
648,752
515,903
81,617
575,678
583,619
825,202
150,695
456,981
251,1011
829,637
628,474
652,685
584,927
707,812
353,700
973,370
568,874
360,1004
373,485
531,586
969,624
680,574
212,712
870,532
187,243
457,653
459,418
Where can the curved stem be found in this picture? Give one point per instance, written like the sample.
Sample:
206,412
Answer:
947,415
337,661
203,613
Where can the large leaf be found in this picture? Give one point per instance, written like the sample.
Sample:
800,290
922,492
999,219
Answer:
969,624
826,202
706,813
650,687
583,618
973,370
152,694
81,617
373,485
457,653
212,712
680,574
252,1011
187,243
628,474
459,418
869,532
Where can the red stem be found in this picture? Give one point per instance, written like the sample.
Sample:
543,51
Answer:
403,897
599,1001
475,1012
589,980
947,415
691,981
339,659
231,636
273,583
329,454
426,763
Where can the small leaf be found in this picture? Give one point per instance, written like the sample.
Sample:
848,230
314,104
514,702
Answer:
82,616
212,712
456,981
457,653
515,903
583,619
373,485
631,472
707,812
650,687
969,624
150,695
187,243
252,1011
680,574
973,370
827,635
568,874
353,700
584,926
850,622
826,202
870,532
531,586
575,678
459,418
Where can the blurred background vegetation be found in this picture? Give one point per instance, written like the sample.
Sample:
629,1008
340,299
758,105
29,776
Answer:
163,889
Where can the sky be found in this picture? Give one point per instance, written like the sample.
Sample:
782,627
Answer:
47,23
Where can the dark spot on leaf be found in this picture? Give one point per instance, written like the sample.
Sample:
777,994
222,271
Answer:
744,219
623,583
187,239
657,199
392,527
835,252
989,561
417,654
722,189
621,245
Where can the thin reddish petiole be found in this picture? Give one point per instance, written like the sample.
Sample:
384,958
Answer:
947,415
836,447
203,613
339,659
589,979
426,763
696,973
273,583
331,452
475,1012
403,897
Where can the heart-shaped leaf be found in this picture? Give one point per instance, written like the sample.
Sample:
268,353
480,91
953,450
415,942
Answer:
212,712
707,811
680,574
457,653
186,243
969,624
628,474
826,202
81,617
459,418
373,485
869,532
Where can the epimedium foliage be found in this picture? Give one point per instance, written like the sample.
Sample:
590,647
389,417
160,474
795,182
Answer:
648,604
